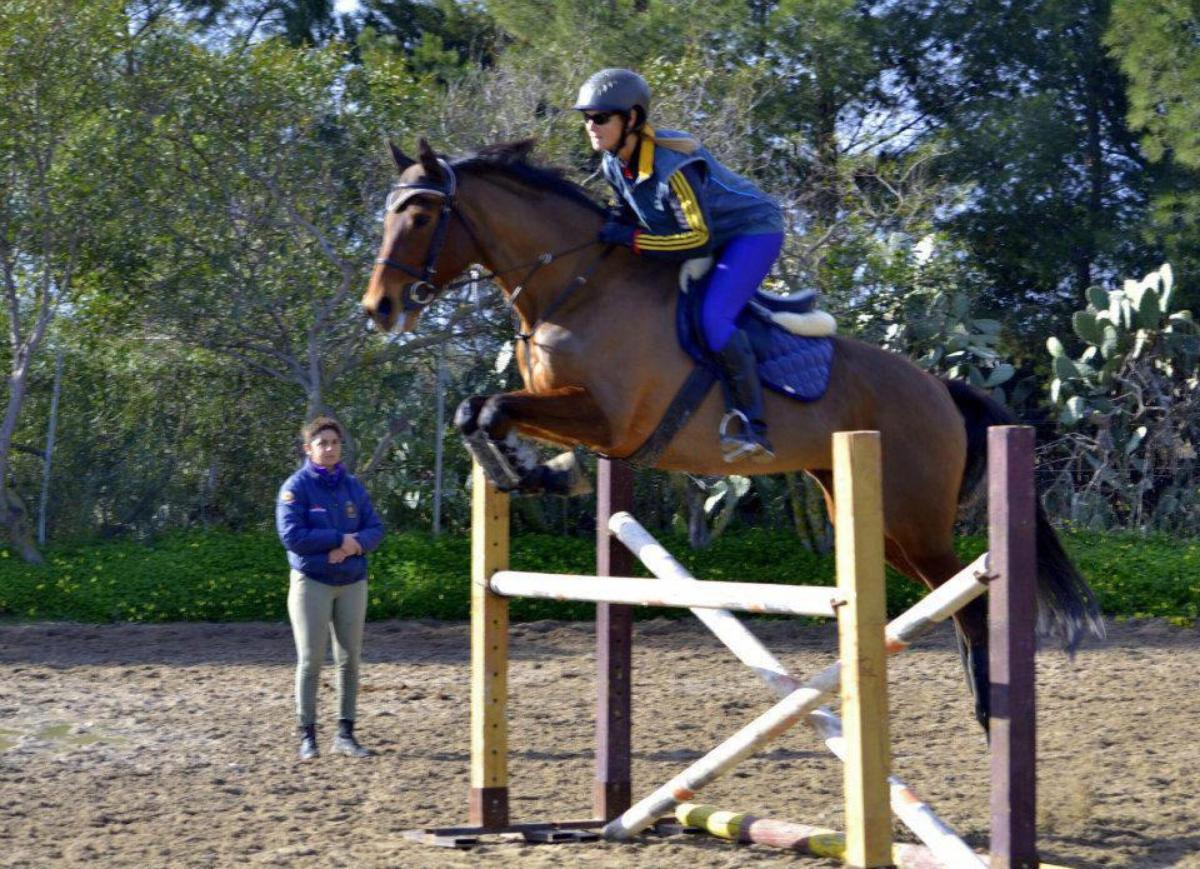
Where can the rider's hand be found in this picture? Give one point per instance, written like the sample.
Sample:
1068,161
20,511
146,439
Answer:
337,556
617,231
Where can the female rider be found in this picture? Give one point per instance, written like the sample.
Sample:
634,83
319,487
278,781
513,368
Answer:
678,202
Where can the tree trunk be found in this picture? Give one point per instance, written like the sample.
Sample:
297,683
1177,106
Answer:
15,518
439,436
16,526
49,459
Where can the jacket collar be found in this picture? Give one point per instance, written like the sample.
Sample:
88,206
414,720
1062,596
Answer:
645,155
328,479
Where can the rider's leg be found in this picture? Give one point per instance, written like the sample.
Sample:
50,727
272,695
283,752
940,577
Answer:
741,266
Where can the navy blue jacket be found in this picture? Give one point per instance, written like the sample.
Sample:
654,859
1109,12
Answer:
685,201
313,512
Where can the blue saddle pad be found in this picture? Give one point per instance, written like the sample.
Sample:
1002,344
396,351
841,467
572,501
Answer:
793,365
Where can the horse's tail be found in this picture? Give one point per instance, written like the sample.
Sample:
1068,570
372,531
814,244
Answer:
1067,608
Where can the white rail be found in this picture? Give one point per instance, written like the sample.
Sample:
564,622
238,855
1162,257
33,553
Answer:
755,597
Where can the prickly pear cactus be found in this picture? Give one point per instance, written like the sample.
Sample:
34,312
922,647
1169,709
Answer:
1128,404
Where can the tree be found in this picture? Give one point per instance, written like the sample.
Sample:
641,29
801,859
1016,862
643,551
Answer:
1158,45
1029,110
54,123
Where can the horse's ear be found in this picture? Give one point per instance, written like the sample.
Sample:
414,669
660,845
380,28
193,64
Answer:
403,161
522,149
429,159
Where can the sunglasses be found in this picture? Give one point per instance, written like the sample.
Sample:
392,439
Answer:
598,118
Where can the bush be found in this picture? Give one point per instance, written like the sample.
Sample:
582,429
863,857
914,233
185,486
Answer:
221,576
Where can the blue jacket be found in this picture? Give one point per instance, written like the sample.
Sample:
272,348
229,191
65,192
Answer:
685,201
313,512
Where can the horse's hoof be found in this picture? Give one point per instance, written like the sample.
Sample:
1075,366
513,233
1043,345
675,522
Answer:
574,480
467,415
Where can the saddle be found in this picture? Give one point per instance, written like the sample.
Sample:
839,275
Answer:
789,334
791,341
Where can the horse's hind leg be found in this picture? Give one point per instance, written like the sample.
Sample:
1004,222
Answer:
931,565
970,622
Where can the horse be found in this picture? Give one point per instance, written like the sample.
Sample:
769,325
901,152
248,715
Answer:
600,366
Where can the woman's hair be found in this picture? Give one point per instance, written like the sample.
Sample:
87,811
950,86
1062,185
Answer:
318,424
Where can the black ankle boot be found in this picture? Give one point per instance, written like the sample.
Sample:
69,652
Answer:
739,368
308,741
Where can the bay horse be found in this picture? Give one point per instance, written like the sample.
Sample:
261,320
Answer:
600,364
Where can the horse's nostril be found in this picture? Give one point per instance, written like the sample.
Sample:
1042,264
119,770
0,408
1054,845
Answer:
384,308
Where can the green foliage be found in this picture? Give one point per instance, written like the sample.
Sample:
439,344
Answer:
1158,45
1129,404
927,316
1140,576
1028,109
218,576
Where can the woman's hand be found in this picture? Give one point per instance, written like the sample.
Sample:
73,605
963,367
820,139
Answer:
351,545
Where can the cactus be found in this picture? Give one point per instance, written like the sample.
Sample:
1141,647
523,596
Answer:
932,323
1127,402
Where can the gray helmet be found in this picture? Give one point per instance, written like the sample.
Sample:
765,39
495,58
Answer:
614,90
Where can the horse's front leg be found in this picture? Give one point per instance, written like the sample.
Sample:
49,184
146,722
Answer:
569,416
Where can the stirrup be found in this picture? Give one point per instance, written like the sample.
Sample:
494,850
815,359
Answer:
735,447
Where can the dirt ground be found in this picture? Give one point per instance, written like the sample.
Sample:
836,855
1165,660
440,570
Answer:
132,745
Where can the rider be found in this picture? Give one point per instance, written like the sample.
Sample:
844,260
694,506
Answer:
677,202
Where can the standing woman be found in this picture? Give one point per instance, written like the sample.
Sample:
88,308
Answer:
677,202
327,525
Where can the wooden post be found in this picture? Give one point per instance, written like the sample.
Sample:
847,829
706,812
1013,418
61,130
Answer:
857,485
1012,613
489,656
614,650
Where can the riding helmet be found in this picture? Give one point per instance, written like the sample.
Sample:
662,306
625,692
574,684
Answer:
614,90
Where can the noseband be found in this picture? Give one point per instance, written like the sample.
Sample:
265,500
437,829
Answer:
419,293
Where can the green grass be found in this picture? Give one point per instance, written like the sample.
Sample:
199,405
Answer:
219,576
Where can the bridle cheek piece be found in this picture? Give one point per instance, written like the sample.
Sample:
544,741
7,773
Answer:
419,293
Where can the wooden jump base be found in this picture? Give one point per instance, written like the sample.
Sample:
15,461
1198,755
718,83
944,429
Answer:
863,680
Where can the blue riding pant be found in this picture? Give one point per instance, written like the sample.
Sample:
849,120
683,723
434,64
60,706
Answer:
741,266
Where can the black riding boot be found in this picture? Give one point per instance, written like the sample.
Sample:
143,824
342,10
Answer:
744,392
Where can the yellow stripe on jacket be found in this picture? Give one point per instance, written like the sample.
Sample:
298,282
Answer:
696,234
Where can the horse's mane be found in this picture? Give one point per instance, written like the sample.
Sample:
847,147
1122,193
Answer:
512,159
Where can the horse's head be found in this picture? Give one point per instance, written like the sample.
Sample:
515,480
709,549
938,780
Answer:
423,247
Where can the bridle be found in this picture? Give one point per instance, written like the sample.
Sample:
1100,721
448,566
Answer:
419,293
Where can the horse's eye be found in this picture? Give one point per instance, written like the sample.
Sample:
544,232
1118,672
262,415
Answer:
420,219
